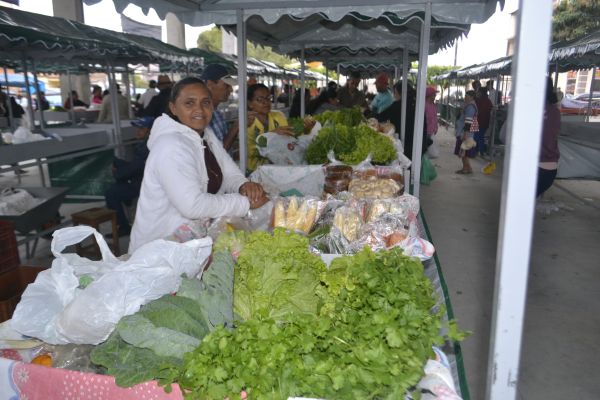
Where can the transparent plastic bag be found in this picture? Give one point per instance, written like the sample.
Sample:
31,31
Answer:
374,187
297,213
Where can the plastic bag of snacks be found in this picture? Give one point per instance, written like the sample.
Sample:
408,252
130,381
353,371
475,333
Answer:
373,188
297,213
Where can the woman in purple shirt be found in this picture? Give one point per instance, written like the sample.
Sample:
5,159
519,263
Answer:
549,153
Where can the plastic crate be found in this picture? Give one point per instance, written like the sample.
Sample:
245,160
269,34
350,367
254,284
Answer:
12,286
9,251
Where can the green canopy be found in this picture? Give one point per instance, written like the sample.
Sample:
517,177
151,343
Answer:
54,40
581,53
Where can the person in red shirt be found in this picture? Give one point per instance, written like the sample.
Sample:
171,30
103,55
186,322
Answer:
484,111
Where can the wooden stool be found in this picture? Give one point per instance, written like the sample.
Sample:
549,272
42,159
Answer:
94,217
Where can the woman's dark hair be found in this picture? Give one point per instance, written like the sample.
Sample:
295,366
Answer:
551,97
324,97
253,88
470,93
178,87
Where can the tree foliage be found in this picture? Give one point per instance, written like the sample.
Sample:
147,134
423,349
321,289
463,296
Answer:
438,70
575,18
211,40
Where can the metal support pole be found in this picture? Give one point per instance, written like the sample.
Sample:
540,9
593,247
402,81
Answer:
518,197
29,99
338,74
405,63
555,76
11,119
38,95
243,89
420,111
589,107
127,93
72,108
116,118
302,83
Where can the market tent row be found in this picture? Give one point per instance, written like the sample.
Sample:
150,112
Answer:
571,55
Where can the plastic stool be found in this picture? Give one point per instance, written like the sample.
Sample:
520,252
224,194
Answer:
94,217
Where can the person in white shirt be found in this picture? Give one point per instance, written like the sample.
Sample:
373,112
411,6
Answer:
148,94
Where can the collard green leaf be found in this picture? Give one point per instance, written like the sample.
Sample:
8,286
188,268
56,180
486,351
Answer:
139,331
131,365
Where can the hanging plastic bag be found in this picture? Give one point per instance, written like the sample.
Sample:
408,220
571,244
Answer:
433,151
80,301
428,172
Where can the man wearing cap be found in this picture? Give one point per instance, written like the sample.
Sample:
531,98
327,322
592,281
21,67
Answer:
349,95
219,83
384,97
160,103
128,176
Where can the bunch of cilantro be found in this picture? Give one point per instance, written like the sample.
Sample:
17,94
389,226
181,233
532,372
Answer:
373,333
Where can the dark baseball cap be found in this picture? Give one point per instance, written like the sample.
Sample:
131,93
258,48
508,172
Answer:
214,72
144,122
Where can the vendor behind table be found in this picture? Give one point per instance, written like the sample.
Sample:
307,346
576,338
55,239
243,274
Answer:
189,175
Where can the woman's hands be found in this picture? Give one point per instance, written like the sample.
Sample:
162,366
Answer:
309,123
255,194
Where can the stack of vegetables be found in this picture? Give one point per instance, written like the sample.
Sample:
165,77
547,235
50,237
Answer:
362,328
350,139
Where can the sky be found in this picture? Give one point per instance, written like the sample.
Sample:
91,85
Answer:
485,42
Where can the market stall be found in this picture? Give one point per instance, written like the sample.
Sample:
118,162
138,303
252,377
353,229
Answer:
518,199
419,291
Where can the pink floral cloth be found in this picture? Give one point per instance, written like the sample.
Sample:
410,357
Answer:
22,381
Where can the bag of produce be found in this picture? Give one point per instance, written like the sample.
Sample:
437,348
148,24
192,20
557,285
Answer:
428,172
80,301
283,149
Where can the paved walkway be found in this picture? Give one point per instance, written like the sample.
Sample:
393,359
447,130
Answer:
562,322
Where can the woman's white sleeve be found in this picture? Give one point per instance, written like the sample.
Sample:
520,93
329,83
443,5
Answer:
182,182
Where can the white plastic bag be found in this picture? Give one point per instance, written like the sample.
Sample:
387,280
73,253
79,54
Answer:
433,151
16,201
283,149
56,310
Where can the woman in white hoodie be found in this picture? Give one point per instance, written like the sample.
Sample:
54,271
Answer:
188,174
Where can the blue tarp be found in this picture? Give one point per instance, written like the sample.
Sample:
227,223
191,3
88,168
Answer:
18,80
